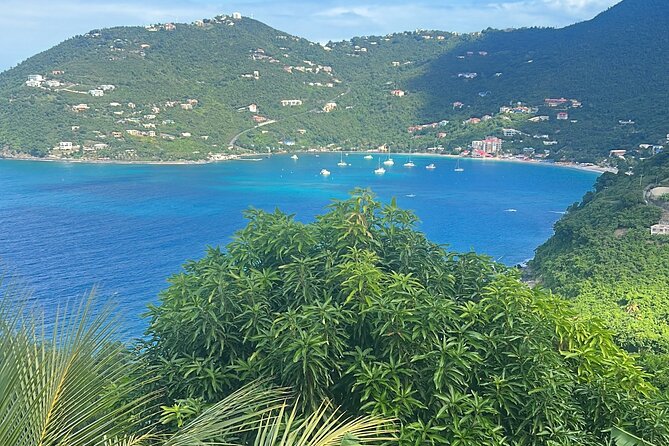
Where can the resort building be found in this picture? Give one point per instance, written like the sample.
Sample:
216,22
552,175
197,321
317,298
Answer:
491,145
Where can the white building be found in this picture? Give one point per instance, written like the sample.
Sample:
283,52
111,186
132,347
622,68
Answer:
237,15
291,102
659,229
52,83
107,87
33,83
96,93
65,145
35,77
330,106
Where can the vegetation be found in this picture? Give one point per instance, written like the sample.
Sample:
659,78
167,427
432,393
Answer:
74,386
604,258
596,62
361,309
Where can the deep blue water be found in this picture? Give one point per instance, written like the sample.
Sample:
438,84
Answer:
67,227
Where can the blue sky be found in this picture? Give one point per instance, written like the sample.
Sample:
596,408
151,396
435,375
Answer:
30,26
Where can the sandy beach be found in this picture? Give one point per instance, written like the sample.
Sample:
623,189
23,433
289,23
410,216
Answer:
233,157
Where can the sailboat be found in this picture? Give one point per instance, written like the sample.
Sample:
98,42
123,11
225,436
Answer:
341,162
458,168
325,172
294,157
368,157
409,163
380,170
389,161
431,166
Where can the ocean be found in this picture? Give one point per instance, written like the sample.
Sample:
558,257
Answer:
66,228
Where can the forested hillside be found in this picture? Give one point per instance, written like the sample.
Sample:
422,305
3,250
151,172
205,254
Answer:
604,257
195,91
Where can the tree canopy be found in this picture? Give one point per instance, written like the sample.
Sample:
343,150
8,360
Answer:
360,308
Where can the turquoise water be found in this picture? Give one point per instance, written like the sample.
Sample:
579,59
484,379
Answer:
125,228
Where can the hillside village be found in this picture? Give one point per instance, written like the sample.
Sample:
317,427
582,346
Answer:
278,92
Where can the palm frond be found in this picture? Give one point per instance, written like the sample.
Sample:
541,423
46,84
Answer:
65,384
621,437
224,422
324,427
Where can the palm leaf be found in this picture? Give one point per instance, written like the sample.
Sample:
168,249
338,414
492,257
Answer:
66,384
624,438
323,427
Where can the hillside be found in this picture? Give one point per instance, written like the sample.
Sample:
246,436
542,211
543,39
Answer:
196,91
604,257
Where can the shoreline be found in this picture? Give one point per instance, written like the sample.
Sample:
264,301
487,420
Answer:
234,157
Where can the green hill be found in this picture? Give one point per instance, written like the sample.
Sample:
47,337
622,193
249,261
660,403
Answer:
604,257
614,65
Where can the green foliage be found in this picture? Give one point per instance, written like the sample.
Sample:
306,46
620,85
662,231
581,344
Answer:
359,308
604,258
597,62
73,386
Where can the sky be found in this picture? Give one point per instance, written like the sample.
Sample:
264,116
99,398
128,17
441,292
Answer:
28,27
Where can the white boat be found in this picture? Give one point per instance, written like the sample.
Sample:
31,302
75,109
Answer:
325,172
458,168
341,162
368,157
431,166
510,210
389,161
409,163
380,170
294,157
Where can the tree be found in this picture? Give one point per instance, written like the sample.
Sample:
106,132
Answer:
75,386
360,308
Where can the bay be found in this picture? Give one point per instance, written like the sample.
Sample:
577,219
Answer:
68,227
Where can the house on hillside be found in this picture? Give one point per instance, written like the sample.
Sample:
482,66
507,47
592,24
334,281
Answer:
291,102
511,132
660,229
551,102
253,108
236,15
80,107
398,93
563,116
619,153
330,106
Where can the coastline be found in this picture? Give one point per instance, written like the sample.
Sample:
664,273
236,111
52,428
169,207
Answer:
232,157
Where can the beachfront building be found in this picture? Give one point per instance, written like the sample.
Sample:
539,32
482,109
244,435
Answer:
491,144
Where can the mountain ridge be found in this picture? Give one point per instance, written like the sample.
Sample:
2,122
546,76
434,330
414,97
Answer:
214,61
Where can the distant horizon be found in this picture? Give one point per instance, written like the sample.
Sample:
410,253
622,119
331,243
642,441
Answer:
32,26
